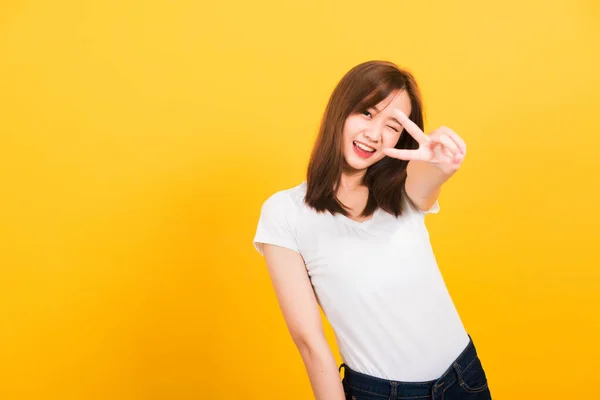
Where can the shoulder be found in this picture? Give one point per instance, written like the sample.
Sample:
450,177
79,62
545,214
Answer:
287,199
286,204
279,218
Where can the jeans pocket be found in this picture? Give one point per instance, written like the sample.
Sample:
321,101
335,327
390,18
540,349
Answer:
473,378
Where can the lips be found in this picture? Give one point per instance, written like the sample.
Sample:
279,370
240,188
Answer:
364,147
360,152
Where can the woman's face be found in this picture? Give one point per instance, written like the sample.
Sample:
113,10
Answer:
375,128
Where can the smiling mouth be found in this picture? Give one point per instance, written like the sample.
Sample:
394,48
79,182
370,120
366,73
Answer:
363,147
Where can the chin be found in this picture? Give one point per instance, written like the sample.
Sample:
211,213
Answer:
355,163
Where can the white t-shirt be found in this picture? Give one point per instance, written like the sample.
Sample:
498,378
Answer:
377,282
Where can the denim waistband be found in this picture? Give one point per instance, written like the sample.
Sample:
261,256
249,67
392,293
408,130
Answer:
391,389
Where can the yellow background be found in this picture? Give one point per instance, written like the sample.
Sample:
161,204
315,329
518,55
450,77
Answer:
138,140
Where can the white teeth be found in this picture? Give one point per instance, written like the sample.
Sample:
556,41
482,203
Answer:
365,148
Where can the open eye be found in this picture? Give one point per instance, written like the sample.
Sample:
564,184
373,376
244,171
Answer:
366,112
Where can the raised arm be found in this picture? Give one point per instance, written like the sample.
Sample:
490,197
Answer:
300,310
439,156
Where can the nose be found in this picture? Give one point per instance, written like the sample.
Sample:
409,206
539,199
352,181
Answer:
373,134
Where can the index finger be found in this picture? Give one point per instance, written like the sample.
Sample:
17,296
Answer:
412,128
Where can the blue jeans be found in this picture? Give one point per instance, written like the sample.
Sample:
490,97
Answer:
464,379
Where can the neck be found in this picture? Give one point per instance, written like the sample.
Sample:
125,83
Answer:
352,180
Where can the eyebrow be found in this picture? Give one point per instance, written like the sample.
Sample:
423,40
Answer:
392,118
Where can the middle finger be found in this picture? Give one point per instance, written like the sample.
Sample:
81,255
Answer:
412,128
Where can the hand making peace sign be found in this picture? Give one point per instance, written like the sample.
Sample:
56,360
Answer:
442,148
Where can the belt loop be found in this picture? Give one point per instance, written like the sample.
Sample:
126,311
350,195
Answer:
435,387
458,371
394,390
340,368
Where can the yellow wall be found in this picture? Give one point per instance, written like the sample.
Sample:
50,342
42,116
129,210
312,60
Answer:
138,140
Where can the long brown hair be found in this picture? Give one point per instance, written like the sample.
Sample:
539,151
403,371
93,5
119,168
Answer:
361,88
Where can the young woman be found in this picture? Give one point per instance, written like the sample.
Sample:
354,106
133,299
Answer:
352,239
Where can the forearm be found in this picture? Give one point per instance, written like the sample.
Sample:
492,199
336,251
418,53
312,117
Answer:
424,182
322,371
429,177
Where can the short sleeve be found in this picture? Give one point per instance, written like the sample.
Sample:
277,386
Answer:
433,210
276,223
416,210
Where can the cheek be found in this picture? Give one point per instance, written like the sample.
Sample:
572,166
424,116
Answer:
390,139
352,125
